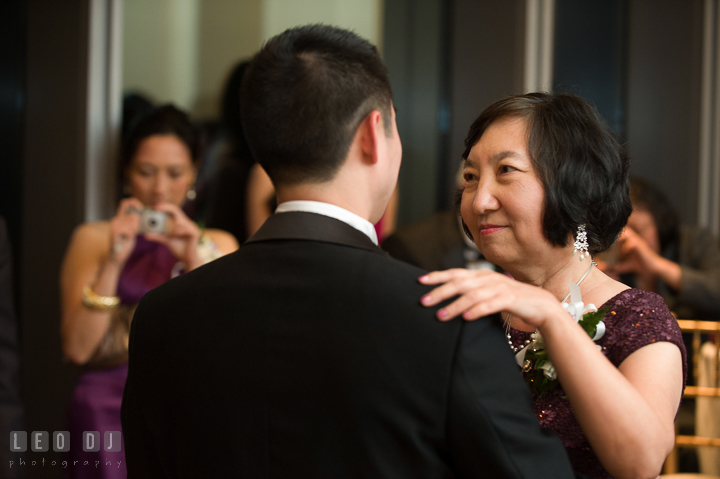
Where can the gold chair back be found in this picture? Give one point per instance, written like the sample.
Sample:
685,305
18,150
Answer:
706,392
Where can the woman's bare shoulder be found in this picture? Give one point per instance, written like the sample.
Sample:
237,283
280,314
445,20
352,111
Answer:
94,227
225,241
89,244
93,234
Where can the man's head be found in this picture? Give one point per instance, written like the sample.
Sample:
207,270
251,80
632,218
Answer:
304,97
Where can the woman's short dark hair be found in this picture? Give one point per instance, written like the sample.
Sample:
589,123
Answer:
163,120
582,166
304,96
647,197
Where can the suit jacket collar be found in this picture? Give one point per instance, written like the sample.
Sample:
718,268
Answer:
300,225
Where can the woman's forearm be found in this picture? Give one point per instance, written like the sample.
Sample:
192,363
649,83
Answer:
83,328
669,271
630,437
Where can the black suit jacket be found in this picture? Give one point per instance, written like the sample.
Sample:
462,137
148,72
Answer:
307,354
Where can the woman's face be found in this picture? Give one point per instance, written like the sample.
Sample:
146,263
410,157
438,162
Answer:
502,198
643,223
161,171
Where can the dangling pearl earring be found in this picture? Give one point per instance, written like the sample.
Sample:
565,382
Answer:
581,243
191,194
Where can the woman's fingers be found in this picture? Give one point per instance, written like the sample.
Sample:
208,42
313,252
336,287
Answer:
437,277
449,289
126,222
123,229
173,210
453,282
129,206
470,299
493,304
492,294
179,224
125,225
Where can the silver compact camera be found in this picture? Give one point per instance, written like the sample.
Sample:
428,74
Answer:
152,221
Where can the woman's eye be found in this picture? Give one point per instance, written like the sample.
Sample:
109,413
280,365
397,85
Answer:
468,176
145,173
507,169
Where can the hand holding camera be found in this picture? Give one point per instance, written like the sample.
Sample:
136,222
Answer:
165,223
124,227
168,224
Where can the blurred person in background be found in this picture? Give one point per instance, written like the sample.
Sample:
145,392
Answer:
110,265
657,253
227,184
135,106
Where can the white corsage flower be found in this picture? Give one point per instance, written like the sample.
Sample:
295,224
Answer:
549,371
533,358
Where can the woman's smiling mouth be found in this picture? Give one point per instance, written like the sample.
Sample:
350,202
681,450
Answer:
491,229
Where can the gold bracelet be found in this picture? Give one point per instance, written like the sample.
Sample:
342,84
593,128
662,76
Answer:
99,303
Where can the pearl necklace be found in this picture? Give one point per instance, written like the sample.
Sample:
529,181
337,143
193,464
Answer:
509,317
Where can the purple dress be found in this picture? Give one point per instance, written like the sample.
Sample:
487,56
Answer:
95,404
636,318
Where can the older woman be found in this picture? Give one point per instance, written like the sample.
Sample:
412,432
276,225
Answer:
546,187
109,265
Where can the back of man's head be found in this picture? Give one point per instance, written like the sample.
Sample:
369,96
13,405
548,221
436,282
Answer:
304,96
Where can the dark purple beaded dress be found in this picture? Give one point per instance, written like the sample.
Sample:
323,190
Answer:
95,404
636,318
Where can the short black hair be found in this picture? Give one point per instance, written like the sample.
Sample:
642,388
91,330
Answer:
163,120
304,97
582,166
646,196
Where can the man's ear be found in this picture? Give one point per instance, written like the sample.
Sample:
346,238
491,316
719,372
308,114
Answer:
369,134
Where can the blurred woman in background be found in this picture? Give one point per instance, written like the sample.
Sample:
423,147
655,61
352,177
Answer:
110,265
227,186
657,253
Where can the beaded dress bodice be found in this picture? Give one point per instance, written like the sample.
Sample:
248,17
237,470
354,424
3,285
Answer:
636,318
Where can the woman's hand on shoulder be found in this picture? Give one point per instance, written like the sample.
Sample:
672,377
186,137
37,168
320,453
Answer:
484,292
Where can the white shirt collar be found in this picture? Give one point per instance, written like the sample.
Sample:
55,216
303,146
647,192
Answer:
333,211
